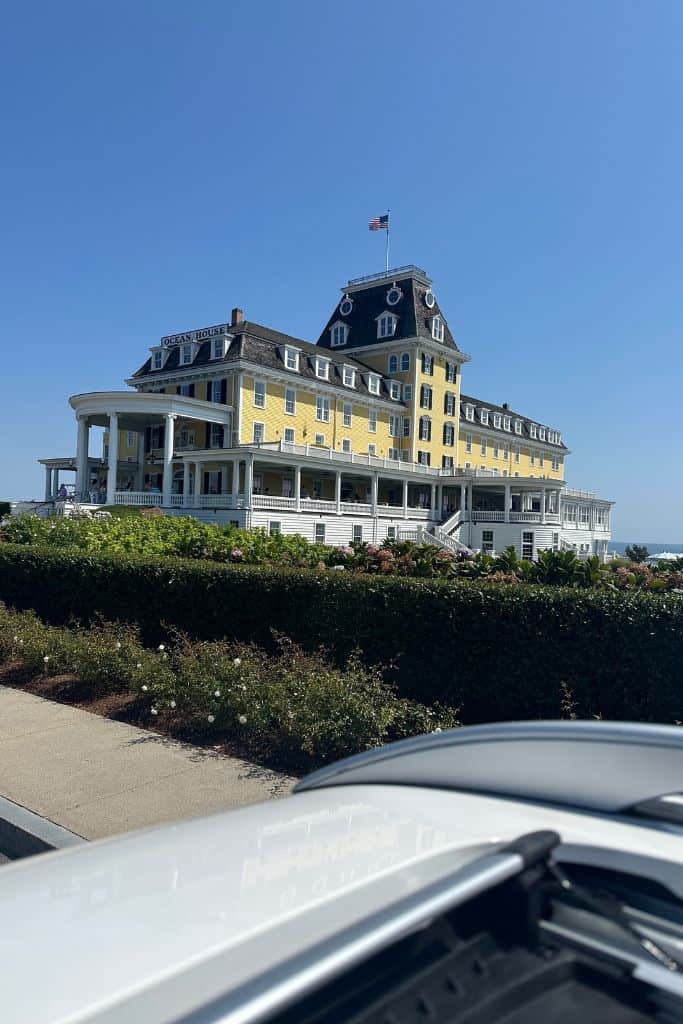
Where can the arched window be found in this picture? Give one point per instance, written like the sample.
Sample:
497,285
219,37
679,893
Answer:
393,364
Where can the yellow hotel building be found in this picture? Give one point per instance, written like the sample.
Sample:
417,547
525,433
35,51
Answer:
364,435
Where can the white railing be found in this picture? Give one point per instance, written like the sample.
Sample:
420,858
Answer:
178,500
488,515
453,522
272,501
137,498
574,492
395,511
525,517
436,535
318,505
384,275
360,508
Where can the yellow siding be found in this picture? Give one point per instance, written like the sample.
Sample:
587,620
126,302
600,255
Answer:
489,461
440,387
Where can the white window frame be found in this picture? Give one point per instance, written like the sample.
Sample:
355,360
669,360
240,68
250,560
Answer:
423,458
468,443
488,542
449,403
523,542
357,533
405,362
372,421
394,425
506,451
322,408
372,449
425,428
518,426
395,390
532,430
407,392
449,434
348,376
322,368
216,436
451,372
394,455
319,533
338,334
130,434
290,401
507,423
555,463
483,447
427,364
541,433
346,445
158,360
469,413
255,430
484,417
260,394
497,419
386,325
406,426
274,527
291,356
320,439
496,449
447,462
290,435
347,414
184,349
218,348
518,452
217,391
392,364
438,328
373,383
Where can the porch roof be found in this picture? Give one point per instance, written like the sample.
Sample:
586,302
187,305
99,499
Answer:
137,410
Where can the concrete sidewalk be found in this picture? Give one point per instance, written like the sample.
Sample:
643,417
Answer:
98,777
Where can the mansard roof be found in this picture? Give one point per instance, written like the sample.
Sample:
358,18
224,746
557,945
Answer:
504,410
255,343
369,298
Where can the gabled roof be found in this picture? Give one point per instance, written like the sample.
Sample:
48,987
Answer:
370,301
479,404
262,345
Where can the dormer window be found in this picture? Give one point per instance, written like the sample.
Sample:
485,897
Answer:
437,328
496,420
158,360
339,333
506,422
394,390
322,368
348,376
291,358
541,433
373,384
518,426
218,348
469,412
532,429
484,416
386,325
186,354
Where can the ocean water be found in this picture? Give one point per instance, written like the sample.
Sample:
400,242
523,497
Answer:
619,546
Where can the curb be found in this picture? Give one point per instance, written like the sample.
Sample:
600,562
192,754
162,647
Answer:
23,833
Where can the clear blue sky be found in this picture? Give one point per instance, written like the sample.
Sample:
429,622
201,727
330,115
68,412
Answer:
164,161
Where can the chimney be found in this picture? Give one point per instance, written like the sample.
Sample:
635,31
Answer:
236,317
506,406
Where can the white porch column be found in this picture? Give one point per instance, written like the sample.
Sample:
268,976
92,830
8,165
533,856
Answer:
508,502
113,460
55,482
186,483
198,474
167,479
542,505
297,488
48,483
432,501
140,478
337,491
469,499
82,456
235,481
248,480
374,489
405,499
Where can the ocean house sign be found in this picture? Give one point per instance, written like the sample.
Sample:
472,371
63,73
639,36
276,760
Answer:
201,335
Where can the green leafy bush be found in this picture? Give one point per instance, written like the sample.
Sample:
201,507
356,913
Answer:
295,706
493,650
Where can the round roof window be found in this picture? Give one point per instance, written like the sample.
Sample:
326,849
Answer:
345,306
429,299
394,295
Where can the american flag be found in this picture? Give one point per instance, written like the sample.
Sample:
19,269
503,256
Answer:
379,223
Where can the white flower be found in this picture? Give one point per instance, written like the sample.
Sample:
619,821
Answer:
211,718
16,639
172,704
237,662
242,719
21,643
118,645
46,658
164,656
154,711
161,647
144,689
216,693
139,665
438,729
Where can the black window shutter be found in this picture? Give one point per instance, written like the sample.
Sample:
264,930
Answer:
208,390
208,436
429,430
224,391
148,439
206,483
191,390
430,397
423,362
178,389
445,403
162,435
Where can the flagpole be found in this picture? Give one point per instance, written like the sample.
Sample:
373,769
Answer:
387,248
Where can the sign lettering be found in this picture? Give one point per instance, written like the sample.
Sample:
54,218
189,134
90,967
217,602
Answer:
201,335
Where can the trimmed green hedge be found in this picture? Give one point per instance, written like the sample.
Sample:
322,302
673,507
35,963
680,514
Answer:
494,651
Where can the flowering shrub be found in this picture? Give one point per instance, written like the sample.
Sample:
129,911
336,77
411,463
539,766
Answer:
293,705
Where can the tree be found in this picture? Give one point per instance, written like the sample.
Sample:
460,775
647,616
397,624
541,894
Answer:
637,552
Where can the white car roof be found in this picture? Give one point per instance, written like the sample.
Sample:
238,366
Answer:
148,926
